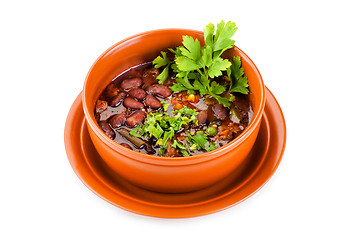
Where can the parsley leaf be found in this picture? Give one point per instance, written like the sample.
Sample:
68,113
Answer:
177,87
196,66
134,132
161,61
211,147
216,88
218,65
200,139
239,82
207,55
163,75
186,64
191,49
222,39
208,34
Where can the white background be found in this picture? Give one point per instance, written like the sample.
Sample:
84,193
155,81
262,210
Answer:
307,53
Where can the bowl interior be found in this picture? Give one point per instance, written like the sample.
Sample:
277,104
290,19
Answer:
145,47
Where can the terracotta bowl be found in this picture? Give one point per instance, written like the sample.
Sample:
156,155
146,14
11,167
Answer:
164,174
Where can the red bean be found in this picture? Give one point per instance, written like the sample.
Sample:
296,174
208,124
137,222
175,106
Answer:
151,101
132,103
159,90
137,93
107,129
101,106
202,117
117,99
131,83
117,120
220,111
126,145
136,118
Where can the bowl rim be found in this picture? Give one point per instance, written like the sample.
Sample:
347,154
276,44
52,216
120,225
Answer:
172,161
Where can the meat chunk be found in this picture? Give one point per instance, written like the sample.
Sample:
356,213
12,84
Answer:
220,111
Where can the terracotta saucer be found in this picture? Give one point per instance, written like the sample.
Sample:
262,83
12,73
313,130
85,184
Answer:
99,178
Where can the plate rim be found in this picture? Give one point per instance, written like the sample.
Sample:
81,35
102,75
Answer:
159,210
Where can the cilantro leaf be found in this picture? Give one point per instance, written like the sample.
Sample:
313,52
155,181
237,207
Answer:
239,82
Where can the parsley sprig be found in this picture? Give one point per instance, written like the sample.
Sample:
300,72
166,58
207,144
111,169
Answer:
196,66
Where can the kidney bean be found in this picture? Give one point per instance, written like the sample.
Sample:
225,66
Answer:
136,118
117,120
151,101
117,99
101,106
126,145
220,111
159,90
107,129
131,83
137,93
202,117
131,103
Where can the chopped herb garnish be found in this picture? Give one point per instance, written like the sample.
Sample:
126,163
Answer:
163,127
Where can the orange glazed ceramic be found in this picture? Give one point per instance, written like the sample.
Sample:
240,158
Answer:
164,174
263,160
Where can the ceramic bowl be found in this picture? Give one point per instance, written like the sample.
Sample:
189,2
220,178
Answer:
164,174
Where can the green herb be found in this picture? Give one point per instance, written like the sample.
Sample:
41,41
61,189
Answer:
163,127
164,105
211,147
239,82
196,67
199,139
134,132
160,62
